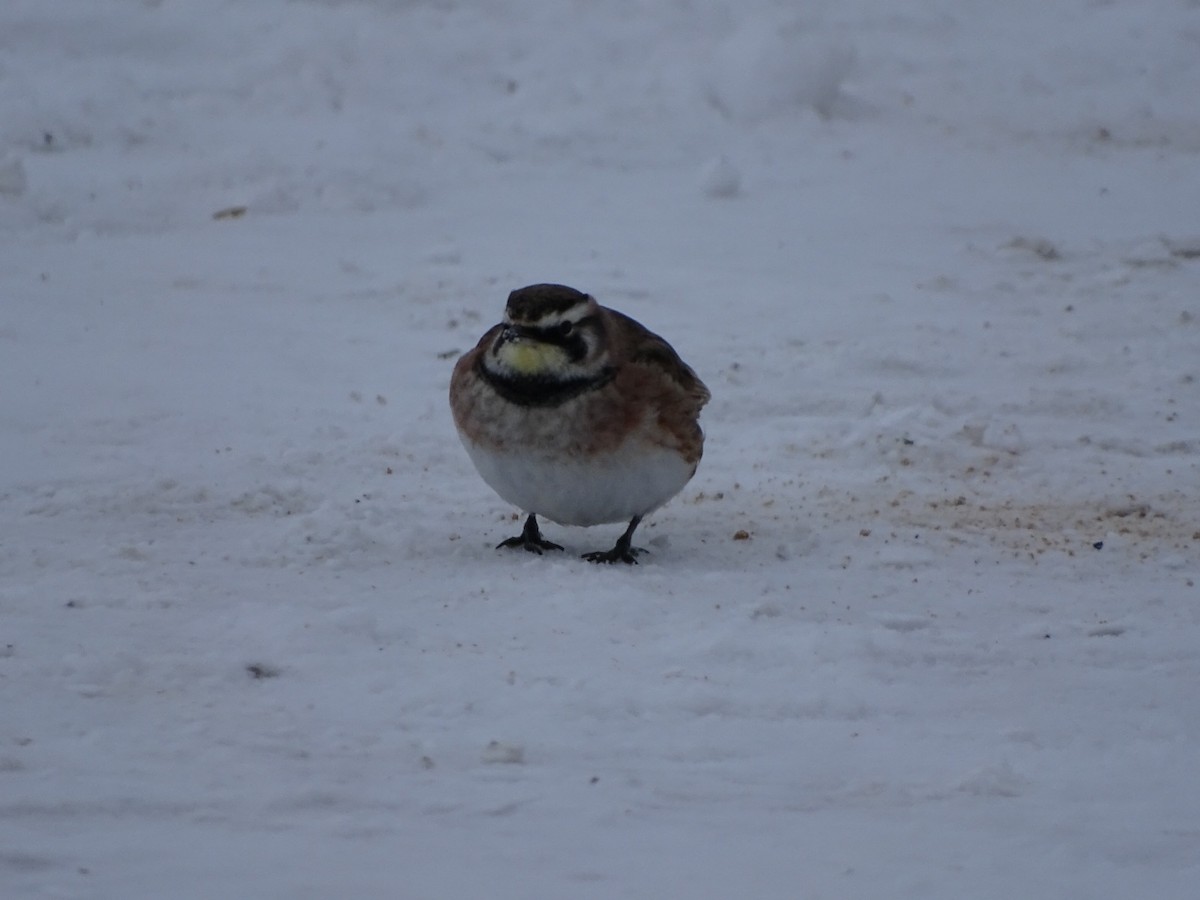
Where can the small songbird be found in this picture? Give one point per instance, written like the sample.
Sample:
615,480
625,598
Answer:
575,412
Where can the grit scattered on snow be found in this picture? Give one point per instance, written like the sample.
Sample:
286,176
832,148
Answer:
925,625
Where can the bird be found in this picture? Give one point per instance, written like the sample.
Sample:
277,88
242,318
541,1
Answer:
579,414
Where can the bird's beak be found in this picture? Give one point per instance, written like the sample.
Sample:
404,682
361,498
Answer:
511,333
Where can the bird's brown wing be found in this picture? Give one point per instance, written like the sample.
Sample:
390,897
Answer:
639,345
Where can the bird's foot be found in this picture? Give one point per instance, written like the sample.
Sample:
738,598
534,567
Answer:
618,553
530,539
622,551
534,546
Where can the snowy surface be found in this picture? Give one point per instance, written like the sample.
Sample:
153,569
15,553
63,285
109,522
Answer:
926,624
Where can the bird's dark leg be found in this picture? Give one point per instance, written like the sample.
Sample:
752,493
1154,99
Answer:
622,551
530,538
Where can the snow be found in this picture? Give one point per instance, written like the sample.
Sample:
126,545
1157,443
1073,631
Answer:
926,622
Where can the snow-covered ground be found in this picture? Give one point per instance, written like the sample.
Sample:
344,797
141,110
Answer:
925,625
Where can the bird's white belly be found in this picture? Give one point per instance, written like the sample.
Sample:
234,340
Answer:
611,487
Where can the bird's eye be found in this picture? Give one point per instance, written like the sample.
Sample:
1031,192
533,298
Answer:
565,328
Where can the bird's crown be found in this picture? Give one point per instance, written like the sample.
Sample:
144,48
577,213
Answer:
544,304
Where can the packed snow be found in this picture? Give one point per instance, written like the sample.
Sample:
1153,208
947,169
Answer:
926,623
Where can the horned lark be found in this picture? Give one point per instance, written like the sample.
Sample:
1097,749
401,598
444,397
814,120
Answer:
577,413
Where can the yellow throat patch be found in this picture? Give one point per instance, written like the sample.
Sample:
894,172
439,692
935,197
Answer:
526,357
